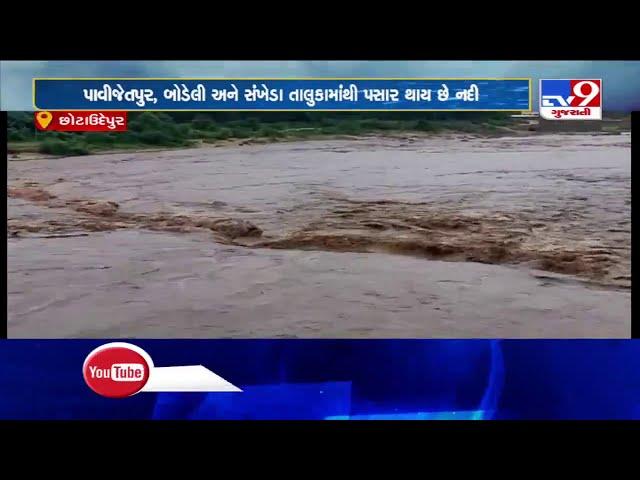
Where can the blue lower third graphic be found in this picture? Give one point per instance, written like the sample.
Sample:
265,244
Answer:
341,380
283,94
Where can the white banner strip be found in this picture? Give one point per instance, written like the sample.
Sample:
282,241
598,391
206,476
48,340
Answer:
191,378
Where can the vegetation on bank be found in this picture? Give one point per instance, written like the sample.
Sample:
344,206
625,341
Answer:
184,129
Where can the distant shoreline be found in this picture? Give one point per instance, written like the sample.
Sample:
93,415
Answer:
22,151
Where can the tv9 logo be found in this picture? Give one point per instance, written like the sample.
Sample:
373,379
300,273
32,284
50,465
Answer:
571,99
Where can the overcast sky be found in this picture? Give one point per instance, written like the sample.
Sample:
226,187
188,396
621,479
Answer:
621,80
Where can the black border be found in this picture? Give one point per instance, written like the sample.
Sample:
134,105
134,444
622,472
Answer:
314,445
408,38
445,430
480,50
327,32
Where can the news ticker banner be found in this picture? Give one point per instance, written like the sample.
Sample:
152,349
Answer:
313,94
320,379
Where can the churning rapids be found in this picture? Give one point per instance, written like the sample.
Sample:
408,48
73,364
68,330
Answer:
368,238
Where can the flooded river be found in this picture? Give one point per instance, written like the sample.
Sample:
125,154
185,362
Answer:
361,238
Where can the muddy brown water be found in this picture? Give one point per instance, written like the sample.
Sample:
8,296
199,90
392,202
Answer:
365,238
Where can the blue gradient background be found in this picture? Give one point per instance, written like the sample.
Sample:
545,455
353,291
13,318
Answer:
342,379
621,79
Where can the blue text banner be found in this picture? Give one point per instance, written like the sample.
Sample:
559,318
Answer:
283,94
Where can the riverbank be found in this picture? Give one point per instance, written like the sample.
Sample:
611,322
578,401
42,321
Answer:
152,130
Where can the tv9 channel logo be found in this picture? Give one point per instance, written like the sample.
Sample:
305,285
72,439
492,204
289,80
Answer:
571,99
120,370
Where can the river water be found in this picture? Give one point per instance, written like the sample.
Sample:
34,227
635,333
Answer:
360,238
